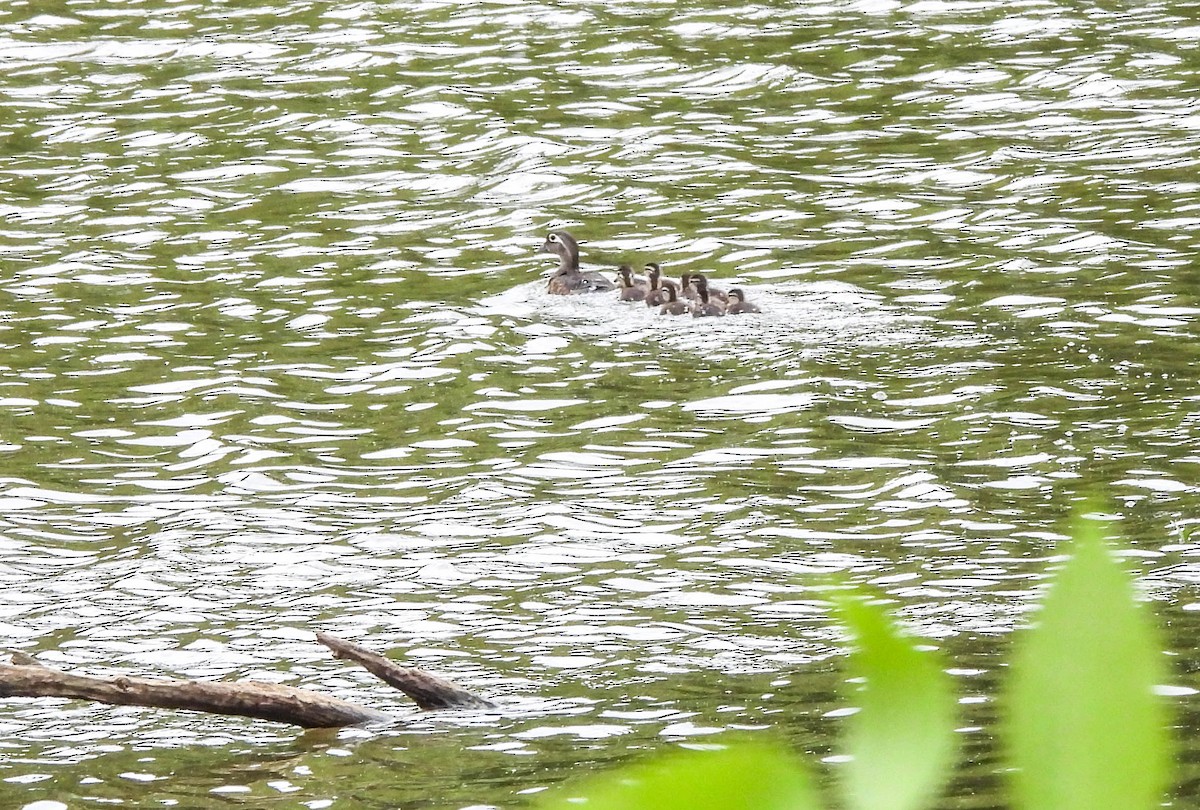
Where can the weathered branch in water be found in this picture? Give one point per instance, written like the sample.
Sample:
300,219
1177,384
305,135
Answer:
265,701
26,677
427,691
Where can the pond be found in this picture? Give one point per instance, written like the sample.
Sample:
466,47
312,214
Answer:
278,358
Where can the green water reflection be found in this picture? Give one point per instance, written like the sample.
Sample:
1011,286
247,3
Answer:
276,358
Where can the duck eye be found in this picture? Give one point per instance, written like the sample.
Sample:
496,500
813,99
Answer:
552,237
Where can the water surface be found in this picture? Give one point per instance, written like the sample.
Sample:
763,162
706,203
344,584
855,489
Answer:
278,358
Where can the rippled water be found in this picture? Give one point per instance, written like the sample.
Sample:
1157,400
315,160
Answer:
277,358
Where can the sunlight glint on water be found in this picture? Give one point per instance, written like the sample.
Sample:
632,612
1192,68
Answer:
278,358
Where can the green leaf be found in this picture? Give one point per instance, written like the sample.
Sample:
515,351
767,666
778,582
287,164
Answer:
744,776
902,739
1083,727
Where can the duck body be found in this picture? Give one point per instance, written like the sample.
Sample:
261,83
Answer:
568,280
704,307
672,305
738,305
630,289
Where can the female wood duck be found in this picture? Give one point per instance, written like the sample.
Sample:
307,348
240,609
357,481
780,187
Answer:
630,290
671,304
655,297
703,307
567,280
738,305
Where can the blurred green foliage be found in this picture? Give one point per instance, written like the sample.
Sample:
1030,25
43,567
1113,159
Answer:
1081,724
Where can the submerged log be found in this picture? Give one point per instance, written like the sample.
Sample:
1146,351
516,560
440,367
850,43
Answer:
26,677
426,690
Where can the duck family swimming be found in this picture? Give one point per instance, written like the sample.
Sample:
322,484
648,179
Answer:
690,294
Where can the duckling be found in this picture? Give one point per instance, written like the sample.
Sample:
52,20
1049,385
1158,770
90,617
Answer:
654,279
703,307
567,280
655,297
738,305
717,295
630,290
671,304
685,287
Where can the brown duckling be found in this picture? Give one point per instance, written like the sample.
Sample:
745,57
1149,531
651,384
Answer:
714,294
630,289
685,287
703,307
655,297
567,280
671,304
738,305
